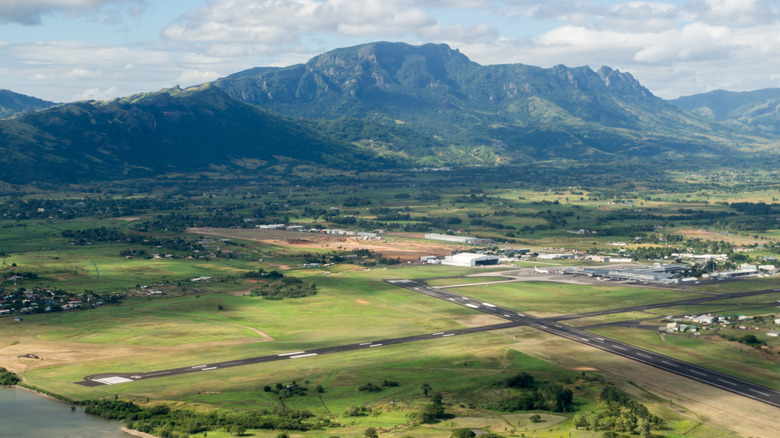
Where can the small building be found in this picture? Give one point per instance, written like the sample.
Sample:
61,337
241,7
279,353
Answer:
465,240
773,333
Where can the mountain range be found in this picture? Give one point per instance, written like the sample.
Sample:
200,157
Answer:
12,104
378,105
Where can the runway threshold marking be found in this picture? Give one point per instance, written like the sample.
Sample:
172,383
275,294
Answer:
303,355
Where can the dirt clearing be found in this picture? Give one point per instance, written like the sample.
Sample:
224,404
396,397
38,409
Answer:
392,247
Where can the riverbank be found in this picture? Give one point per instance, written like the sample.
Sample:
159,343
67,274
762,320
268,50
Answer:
36,391
66,401
137,433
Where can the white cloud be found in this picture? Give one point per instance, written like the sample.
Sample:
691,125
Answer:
97,94
194,77
735,12
30,12
286,21
82,74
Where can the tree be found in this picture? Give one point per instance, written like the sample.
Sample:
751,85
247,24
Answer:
371,433
535,418
463,433
426,388
580,421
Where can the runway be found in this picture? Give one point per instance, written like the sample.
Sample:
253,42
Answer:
666,363
515,318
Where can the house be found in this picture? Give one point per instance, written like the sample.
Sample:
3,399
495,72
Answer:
705,319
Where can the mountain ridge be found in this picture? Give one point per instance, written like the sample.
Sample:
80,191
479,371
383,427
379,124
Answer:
13,104
463,106
147,134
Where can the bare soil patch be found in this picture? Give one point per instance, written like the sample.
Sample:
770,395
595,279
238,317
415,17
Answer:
406,250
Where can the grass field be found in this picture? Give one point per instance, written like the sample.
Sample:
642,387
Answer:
200,322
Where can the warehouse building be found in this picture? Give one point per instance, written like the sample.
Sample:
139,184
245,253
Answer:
470,259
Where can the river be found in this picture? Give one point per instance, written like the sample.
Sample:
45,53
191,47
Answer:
24,414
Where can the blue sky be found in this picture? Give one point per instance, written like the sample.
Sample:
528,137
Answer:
65,50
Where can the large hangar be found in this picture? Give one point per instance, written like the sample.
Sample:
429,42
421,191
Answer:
470,259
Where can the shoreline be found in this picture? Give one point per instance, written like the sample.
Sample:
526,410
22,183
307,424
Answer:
137,433
124,429
42,394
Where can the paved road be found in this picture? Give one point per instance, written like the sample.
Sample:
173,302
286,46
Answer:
666,363
115,378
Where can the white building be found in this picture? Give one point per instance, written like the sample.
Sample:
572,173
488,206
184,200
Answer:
470,259
466,240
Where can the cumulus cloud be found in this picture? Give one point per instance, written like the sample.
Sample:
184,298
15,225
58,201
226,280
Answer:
266,22
98,94
194,77
30,12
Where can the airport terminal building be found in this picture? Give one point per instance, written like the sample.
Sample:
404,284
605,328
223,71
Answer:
470,259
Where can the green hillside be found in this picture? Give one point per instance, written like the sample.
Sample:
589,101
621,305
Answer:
755,111
446,108
12,104
147,134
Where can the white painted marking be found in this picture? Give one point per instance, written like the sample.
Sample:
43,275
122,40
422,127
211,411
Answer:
448,334
135,377
290,354
600,339
585,339
452,299
200,366
644,355
671,364
473,306
697,372
302,355
366,343
728,381
465,298
113,380
209,368
759,392
375,345
507,316
439,333
488,305
618,347
520,314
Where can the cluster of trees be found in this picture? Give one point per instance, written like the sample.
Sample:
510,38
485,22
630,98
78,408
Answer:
8,378
102,234
617,414
278,287
283,391
32,208
370,387
162,421
179,222
749,340
527,394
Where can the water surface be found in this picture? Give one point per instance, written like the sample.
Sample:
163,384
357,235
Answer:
24,414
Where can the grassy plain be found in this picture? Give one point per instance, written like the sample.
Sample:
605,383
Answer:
185,326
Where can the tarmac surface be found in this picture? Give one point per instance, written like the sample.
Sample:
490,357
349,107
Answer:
515,319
